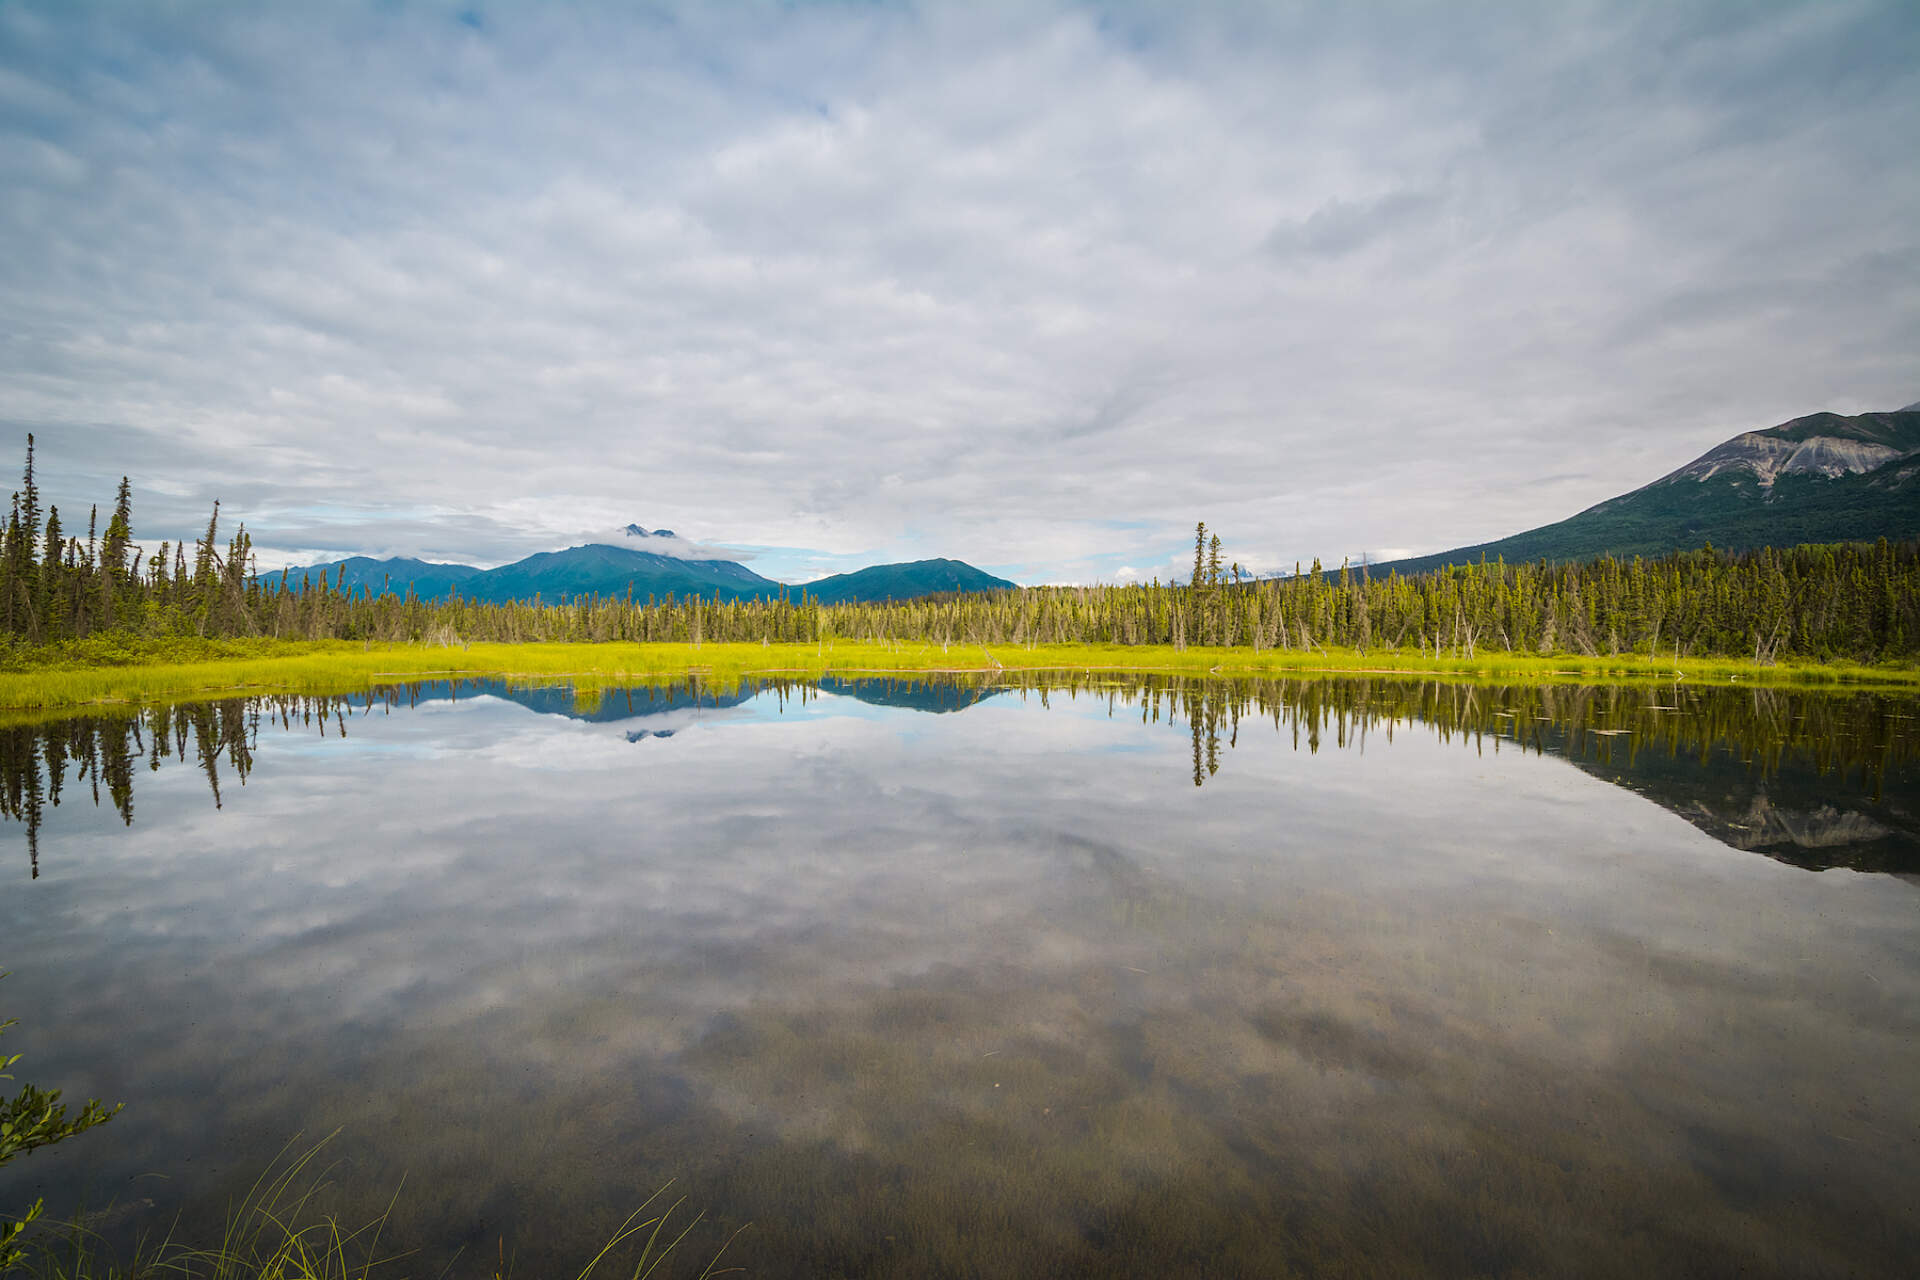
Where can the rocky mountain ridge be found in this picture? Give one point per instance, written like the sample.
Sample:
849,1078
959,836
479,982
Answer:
1822,444
1824,477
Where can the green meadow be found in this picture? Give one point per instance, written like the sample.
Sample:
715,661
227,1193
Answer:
80,675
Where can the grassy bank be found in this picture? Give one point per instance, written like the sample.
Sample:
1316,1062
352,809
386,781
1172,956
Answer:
65,677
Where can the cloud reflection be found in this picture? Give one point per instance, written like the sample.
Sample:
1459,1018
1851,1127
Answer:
847,970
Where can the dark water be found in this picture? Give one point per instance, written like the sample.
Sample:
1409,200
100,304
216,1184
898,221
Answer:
962,979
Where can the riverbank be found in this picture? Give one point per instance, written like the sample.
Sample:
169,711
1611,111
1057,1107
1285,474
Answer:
86,674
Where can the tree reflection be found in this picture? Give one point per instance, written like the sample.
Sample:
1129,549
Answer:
1829,777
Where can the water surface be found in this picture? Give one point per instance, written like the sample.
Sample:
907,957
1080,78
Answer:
1113,976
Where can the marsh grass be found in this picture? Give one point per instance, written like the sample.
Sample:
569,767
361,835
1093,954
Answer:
60,678
278,1231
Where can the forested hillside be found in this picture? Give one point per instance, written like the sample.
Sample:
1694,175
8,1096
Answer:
604,569
1821,478
903,582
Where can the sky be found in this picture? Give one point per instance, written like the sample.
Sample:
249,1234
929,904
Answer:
1037,286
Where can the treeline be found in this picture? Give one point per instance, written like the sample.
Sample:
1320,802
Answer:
56,586
1844,602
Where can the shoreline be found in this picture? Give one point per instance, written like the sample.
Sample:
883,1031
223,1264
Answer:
63,680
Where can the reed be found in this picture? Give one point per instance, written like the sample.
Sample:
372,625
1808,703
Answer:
276,1231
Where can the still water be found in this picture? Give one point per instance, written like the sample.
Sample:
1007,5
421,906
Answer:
1121,976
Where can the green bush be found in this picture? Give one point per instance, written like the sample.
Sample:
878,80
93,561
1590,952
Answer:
31,1119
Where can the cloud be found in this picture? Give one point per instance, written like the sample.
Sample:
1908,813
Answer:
1340,227
848,284
661,542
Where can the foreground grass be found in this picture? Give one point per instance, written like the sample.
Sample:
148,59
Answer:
71,677
276,1232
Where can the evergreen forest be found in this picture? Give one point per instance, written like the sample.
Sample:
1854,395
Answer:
1842,602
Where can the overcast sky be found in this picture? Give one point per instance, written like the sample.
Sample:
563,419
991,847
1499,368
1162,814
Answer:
1035,286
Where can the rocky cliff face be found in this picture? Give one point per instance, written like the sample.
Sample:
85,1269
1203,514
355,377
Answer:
1823,445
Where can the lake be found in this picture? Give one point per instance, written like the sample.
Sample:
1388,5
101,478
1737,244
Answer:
1045,975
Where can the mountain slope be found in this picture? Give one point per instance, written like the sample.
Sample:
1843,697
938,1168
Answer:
1821,478
599,569
903,581
429,580
602,570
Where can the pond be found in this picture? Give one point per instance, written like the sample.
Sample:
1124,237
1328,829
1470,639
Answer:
1044,975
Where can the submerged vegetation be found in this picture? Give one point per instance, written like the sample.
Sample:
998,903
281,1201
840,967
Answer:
104,597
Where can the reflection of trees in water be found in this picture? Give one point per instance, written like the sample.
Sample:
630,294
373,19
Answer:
40,764
1856,737
1817,778
1852,740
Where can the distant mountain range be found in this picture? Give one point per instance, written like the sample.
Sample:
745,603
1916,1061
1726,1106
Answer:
1821,478
601,569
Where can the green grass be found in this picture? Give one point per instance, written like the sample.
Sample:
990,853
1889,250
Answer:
60,679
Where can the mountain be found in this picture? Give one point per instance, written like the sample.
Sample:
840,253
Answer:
428,580
596,569
1821,478
903,581
600,569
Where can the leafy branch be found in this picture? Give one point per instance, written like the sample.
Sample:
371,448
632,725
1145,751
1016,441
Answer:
31,1119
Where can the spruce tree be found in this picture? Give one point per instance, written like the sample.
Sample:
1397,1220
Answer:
1362,617
119,537
114,571
29,506
49,598
9,572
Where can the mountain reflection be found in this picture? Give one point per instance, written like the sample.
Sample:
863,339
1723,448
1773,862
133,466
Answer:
1816,779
